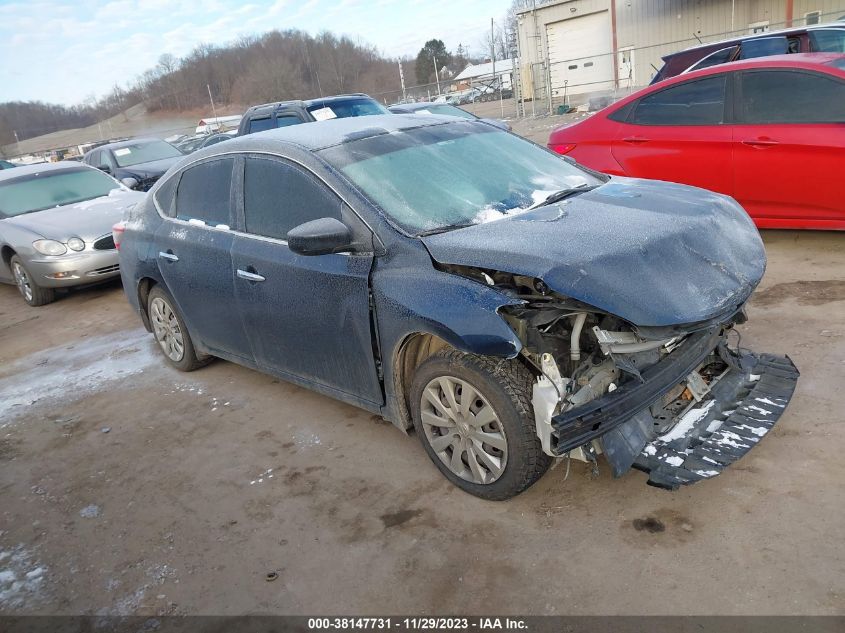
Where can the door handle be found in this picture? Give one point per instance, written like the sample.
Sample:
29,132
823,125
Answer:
245,274
168,256
635,139
759,142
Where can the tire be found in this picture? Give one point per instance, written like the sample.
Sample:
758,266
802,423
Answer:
513,448
170,332
31,292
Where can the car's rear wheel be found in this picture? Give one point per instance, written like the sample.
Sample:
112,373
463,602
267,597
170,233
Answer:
170,332
31,292
475,419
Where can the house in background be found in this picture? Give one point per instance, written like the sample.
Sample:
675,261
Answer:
494,74
579,47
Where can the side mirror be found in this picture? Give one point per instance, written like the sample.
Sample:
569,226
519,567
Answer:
105,168
320,237
130,182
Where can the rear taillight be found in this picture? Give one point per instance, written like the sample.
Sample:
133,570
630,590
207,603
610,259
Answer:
562,148
117,233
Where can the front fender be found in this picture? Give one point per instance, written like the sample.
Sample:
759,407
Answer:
462,312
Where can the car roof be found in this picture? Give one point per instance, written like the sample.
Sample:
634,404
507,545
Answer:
419,105
757,36
306,103
323,134
125,143
40,168
808,61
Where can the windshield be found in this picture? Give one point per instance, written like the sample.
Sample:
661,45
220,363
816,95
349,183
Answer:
37,192
346,108
148,152
461,173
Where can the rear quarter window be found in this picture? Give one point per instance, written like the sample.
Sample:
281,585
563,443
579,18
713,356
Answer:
165,196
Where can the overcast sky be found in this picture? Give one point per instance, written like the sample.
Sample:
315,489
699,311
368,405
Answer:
63,51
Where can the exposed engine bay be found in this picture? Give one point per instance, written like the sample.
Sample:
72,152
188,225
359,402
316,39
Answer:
645,397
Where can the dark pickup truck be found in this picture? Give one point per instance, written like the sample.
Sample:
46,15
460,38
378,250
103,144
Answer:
269,116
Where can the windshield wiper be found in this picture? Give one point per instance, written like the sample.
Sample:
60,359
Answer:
563,194
448,227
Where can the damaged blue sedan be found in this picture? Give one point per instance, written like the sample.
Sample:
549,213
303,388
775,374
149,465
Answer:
507,304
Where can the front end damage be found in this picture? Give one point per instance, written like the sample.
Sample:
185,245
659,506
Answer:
679,402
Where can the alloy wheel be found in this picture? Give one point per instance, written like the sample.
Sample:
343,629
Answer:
464,430
22,281
166,329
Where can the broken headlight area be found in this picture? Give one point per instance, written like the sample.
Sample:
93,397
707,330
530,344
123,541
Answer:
677,402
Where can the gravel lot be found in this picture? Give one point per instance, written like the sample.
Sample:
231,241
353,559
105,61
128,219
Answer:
129,488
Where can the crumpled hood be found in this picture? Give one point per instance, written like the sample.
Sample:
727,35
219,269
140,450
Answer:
88,220
154,169
650,252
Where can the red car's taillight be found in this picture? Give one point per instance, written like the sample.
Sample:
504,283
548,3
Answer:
562,148
117,233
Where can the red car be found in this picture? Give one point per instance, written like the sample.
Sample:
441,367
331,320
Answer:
770,132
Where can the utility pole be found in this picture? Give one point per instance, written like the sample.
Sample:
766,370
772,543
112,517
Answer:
402,80
213,110
493,49
17,142
436,74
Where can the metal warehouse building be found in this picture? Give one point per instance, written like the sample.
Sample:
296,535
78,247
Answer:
580,47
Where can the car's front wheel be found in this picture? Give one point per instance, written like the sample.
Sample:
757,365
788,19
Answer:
475,419
170,331
31,292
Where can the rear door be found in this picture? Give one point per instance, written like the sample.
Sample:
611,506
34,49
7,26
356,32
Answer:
789,150
193,251
680,134
308,317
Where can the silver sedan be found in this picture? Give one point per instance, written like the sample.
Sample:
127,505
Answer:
55,227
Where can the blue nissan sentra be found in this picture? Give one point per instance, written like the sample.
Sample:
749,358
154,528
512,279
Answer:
507,304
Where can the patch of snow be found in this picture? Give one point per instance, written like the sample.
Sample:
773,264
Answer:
759,431
767,401
90,512
650,450
754,377
674,460
729,438
20,579
752,407
714,426
706,473
687,422
66,372
306,439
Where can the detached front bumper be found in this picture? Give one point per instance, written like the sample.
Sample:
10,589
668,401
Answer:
739,409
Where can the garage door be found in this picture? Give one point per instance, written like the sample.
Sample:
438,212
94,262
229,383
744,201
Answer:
580,52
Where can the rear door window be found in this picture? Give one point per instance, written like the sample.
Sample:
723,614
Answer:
785,96
722,56
260,125
698,102
279,196
204,193
286,120
764,47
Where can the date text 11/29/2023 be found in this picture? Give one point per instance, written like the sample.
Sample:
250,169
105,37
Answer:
417,623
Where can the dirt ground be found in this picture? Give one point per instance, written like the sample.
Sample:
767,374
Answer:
129,488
